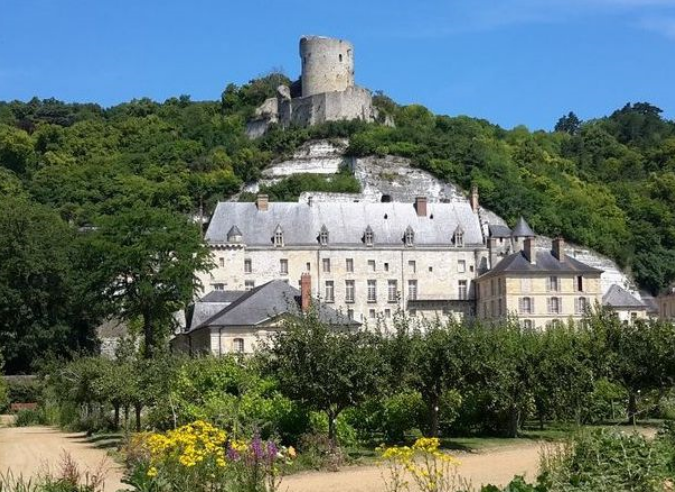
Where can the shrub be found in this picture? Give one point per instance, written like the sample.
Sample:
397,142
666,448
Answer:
26,417
4,395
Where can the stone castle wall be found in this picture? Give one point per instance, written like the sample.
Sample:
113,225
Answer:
327,65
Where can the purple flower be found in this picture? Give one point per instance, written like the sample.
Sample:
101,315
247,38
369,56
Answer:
257,448
232,454
272,451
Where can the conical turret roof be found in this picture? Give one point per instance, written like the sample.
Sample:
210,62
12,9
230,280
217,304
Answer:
522,229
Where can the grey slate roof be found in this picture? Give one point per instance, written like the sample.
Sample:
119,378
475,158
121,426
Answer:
346,223
497,230
223,296
545,263
267,301
522,229
618,297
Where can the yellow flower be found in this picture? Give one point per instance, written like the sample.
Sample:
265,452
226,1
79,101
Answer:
152,472
291,452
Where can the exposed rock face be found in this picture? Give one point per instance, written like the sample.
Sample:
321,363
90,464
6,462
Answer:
392,178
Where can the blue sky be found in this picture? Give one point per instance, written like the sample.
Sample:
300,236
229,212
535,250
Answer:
509,61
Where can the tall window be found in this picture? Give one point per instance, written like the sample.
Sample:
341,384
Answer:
462,290
371,265
278,237
325,262
554,305
323,236
350,265
392,291
579,283
525,305
369,236
461,266
350,314
371,314
553,283
248,265
458,237
238,345
372,291
409,236
249,285
528,324
493,287
412,266
221,262
330,291
283,267
412,290
350,291
581,306
387,313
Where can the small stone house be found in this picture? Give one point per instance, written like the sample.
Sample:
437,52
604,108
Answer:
539,287
225,322
627,307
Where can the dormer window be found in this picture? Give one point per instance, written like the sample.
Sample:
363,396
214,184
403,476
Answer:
278,237
369,236
409,236
234,235
323,236
458,237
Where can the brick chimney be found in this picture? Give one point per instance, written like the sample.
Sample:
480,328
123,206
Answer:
474,199
305,292
421,206
529,250
559,249
262,202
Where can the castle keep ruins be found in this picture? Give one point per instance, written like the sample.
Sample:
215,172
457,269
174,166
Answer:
327,90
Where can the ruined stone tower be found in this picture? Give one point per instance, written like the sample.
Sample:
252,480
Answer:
328,90
327,65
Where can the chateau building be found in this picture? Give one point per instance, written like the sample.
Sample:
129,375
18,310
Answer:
539,287
366,259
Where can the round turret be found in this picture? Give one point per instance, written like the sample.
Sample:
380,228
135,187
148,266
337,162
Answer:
327,65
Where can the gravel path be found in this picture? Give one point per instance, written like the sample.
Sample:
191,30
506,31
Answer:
31,451
496,466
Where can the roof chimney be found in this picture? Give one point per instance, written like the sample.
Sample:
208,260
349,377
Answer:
559,249
421,206
529,250
262,202
305,292
474,199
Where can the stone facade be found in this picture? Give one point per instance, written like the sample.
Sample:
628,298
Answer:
328,91
538,288
666,304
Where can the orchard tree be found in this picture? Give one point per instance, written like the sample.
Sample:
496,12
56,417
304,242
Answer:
145,263
325,368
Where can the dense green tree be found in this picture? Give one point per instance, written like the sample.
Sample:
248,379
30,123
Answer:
325,368
569,123
40,308
144,263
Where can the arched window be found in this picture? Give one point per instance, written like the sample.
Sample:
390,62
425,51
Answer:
238,345
458,237
323,236
278,237
369,236
409,236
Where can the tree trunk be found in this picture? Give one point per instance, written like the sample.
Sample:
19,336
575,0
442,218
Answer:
512,423
434,418
138,409
332,428
632,408
117,415
126,417
148,335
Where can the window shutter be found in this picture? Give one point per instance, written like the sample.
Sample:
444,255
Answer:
550,306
